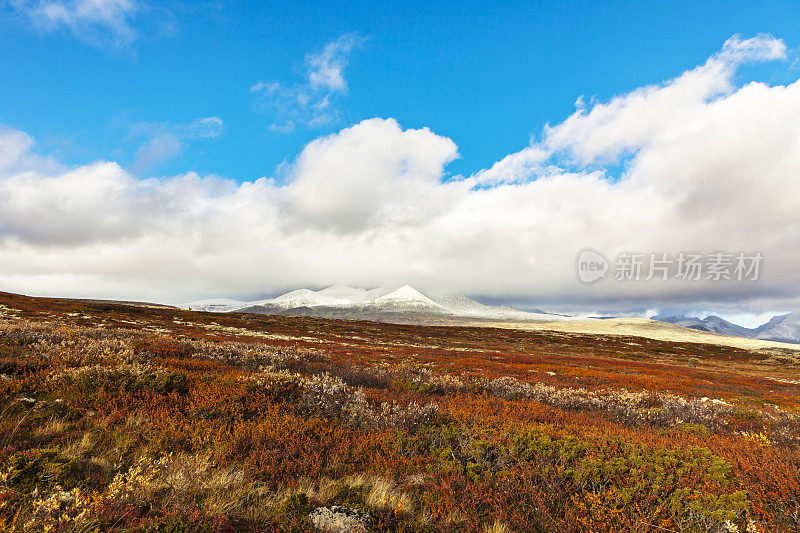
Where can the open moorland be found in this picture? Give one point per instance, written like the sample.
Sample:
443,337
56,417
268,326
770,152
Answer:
145,418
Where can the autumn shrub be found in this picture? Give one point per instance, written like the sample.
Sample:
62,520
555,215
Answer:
253,356
161,347
538,481
652,408
82,384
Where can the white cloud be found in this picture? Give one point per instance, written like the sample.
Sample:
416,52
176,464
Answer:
658,113
310,103
208,127
155,150
14,145
100,23
165,141
326,69
708,166
366,176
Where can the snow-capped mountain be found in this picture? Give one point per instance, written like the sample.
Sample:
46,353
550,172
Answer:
405,297
781,328
376,304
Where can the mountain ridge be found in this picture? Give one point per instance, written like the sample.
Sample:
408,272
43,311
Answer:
404,302
780,328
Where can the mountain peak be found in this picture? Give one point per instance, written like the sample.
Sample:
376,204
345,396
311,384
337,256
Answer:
406,291
406,295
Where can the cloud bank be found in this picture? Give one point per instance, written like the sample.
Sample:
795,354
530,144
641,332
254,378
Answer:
707,166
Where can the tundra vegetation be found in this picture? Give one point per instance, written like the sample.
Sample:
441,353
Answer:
132,418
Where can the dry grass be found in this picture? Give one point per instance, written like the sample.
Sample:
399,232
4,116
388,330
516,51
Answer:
81,447
382,493
496,527
52,428
650,329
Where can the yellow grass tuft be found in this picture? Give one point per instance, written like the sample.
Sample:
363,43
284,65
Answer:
53,428
496,527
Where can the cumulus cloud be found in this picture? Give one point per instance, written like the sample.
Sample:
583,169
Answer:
100,23
311,102
367,176
708,166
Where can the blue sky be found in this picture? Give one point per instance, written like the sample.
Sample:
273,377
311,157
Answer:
487,76
176,151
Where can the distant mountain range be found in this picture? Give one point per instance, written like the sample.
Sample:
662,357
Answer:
781,328
411,306
403,304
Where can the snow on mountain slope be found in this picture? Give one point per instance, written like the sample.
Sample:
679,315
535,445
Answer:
353,295
719,325
784,328
405,299
771,323
467,307
305,298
